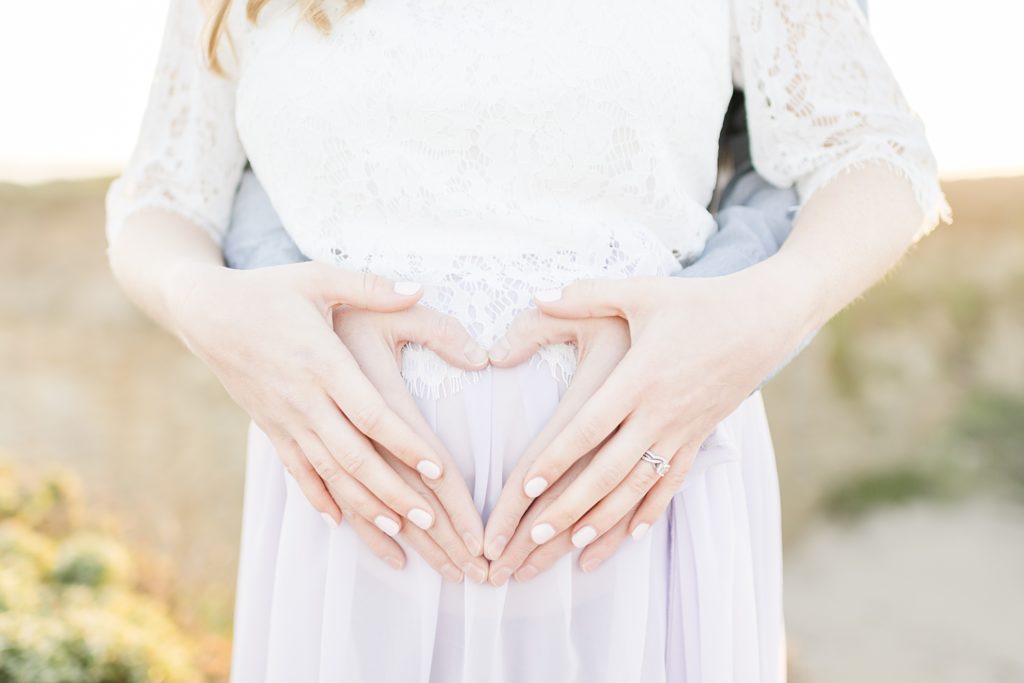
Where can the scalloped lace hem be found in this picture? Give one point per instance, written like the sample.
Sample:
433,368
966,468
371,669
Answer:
485,292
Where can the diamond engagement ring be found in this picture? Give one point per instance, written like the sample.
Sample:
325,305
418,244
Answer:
659,463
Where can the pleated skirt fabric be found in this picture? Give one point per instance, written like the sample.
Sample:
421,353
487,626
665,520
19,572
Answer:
698,599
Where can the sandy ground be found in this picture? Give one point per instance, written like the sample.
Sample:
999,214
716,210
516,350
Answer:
923,593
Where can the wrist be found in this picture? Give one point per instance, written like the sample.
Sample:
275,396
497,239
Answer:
181,284
794,290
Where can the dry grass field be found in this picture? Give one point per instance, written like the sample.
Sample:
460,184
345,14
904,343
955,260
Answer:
899,434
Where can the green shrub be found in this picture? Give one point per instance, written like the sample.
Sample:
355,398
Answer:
70,609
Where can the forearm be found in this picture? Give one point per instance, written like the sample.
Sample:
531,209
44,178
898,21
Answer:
846,237
153,248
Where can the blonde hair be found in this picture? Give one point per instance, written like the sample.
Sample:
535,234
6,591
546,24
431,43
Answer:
312,11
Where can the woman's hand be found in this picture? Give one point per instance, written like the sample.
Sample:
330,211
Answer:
600,345
698,348
453,545
268,336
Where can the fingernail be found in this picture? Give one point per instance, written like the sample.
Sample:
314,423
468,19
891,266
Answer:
590,564
406,288
542,533
475,353
395,562
500,350
451,573
548,295
535,487
428,469
495,547
526,573
501,576
386,524
476,573
473,544
330,520
584,536
421,518
640,531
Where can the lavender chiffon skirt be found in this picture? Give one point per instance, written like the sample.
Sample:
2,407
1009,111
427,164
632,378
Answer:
698,599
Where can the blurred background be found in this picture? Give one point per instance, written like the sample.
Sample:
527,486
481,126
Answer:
899,432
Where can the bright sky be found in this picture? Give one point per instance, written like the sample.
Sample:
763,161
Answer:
74,76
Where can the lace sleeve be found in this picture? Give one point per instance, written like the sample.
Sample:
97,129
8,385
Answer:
822,100
188,158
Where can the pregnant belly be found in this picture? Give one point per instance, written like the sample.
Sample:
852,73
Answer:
489,424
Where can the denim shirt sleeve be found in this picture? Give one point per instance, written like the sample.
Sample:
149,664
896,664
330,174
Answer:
754,219
256,237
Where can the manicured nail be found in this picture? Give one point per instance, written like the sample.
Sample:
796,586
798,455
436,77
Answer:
640,531
548,295
428,469
495,547
475,354
395,562
535,487
406,288
421,518
526,573
330,520
500,350
584,536
386,524
473,544
499,577
476,573
542,533
451,573
591,564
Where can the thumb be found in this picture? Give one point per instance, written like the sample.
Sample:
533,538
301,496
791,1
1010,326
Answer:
442,334
588,299
530,331
334,287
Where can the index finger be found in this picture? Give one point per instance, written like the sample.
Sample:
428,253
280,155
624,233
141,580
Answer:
514,499
451,491
593,423
367,410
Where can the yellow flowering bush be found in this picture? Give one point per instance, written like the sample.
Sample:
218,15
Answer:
71,610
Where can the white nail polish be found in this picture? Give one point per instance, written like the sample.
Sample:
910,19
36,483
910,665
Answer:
500,350
449,572
476,573
640,531
501,576
584,536
473,544
330,520
535,487
542,533
548,295
496,546
407,288
428,469
474,353
421,518
526,573
386,524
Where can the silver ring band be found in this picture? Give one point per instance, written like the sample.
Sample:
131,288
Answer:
659,463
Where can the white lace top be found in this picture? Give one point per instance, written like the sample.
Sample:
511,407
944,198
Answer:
491,149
